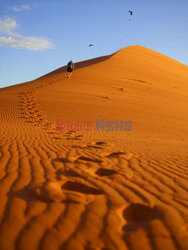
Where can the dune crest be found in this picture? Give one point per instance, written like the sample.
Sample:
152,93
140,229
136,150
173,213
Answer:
97,189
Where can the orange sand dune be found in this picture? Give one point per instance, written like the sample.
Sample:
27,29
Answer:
97,189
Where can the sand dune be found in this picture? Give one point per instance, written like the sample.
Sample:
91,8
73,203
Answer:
97,189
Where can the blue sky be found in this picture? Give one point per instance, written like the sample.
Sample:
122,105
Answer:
39,36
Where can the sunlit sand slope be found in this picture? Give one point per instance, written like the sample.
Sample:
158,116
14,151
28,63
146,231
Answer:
97,189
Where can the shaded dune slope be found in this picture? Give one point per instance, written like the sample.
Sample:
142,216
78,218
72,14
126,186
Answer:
97,190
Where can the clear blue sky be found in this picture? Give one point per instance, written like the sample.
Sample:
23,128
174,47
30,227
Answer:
39,36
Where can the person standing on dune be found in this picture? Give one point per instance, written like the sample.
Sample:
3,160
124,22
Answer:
70,68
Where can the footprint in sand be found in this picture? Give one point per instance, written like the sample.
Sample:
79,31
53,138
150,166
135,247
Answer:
100,143
62,160
97,145
66,172
137,215
82,188
83,158
73,138
105,172
115,154
49,192
56,138
120,155
121,89
79,136
51,133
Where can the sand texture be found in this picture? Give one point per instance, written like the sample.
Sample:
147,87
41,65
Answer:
97,189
